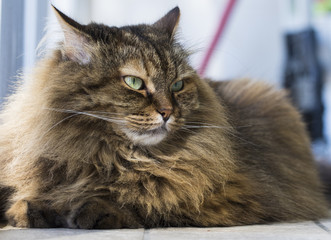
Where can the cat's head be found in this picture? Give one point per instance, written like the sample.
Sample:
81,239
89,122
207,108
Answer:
136,78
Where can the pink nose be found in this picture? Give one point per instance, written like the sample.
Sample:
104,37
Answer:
165,113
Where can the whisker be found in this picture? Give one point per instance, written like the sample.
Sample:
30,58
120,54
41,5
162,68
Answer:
187,130
61,121
231,133
107,119
106,113
195,126
242,139
215,126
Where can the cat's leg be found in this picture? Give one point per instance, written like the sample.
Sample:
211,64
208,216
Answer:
101,214
34,215
17,214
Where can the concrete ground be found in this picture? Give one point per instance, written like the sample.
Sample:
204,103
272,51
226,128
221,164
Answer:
320,230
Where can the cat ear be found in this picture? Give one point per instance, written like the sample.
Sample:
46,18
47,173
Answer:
76,42
169,22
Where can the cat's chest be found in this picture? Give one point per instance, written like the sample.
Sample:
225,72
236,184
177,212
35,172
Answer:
158,184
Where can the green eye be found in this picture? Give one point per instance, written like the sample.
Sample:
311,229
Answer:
177,86
134,82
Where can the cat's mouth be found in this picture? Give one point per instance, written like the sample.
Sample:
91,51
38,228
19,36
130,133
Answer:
147,137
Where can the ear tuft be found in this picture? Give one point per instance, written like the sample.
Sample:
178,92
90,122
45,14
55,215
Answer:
76,42
169,22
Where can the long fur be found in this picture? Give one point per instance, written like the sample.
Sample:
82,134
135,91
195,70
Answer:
239,153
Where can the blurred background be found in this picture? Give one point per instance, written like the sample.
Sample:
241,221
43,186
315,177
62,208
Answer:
286,43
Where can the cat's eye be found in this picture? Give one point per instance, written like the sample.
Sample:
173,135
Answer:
177,86
134,82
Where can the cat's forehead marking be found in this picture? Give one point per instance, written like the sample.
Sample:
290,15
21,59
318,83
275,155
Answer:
138,69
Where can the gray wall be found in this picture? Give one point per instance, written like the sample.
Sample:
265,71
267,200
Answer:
22,25
11,43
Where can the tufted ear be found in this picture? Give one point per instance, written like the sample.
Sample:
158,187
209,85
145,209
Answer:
76,43
169,22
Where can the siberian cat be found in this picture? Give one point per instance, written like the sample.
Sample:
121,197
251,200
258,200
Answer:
115,129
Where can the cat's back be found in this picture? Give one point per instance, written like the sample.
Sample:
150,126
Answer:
258,105
241,94
264,118
273,145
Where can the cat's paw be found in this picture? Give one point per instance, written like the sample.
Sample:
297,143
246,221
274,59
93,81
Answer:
23,214
98,215
17,214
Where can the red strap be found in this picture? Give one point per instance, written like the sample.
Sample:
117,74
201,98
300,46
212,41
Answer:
219,32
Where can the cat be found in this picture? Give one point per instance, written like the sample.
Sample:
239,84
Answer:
115,129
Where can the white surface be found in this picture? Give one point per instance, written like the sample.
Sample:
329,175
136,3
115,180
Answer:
284,231
307,230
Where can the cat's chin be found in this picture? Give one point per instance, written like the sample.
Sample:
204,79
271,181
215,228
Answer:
147,138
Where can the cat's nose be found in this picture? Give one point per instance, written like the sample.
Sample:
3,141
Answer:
165,113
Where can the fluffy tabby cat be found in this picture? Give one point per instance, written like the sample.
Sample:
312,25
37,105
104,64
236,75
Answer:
116,130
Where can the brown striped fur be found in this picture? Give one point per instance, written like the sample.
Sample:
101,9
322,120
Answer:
80,149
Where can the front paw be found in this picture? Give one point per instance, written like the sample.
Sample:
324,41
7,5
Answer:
26,214
99,215
17,214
